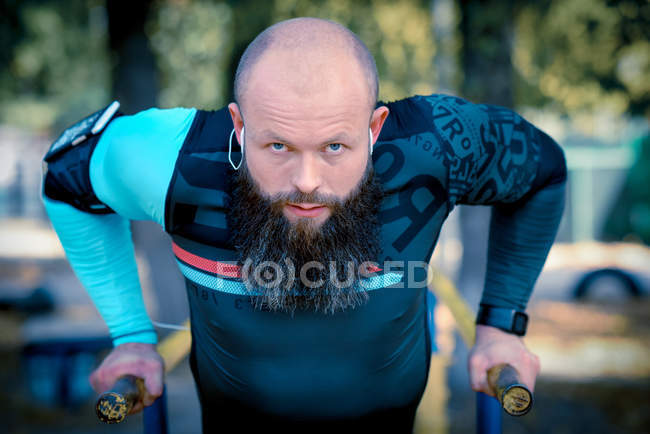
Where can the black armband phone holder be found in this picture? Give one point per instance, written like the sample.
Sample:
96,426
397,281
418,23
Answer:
67,177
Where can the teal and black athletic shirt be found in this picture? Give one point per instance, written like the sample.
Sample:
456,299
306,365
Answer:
434,152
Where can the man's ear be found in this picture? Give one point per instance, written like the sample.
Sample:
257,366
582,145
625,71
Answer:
237,119
377,121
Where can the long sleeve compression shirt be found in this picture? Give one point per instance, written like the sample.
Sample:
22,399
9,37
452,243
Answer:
479,154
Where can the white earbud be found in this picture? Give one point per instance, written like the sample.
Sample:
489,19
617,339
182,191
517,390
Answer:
372,146
236,166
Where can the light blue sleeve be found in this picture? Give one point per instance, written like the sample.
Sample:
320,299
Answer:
133,162
130,171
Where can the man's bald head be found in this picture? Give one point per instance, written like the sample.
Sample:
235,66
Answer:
307,38
308,89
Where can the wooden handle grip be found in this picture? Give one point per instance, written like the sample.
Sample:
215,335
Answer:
113,406
515,398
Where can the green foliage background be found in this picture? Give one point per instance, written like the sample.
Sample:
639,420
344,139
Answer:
194,41
575,57
55,62
581,56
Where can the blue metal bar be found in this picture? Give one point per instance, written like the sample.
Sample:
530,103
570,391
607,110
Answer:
431,320
155,416
488,414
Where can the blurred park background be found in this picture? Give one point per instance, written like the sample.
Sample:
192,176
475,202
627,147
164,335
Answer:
579,69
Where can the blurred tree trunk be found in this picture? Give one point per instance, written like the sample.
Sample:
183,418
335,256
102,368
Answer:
250,18
135,81
135,85
487,32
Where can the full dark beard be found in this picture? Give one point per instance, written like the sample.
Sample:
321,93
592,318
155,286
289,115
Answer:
302,265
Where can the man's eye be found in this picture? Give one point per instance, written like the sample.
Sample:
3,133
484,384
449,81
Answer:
278,146
334,147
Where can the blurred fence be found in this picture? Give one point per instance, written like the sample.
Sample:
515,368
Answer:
596,176
20,173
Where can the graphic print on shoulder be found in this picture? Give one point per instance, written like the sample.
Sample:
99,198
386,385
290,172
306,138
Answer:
491,152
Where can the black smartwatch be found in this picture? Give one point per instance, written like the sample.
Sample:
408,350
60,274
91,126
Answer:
508,320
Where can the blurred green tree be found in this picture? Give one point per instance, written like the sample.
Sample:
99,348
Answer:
398,34
198,43
192,41
583,56
54,61
575,57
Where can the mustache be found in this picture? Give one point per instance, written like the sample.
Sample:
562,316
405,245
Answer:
279,200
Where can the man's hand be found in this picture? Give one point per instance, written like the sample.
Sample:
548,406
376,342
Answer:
137,359
494,347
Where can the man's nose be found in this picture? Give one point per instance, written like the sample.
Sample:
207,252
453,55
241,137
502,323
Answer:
307,176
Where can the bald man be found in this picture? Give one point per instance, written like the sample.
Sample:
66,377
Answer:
301,217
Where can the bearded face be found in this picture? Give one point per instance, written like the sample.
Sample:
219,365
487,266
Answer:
304,265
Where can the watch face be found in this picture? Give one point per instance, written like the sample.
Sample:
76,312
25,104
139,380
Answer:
519,323
508,320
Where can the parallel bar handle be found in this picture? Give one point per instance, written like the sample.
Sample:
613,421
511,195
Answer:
514,397
113,406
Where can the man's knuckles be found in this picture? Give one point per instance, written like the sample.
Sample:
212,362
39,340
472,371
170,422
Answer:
527,361
149,399
477,361
477,372
537,363
96,382
137,408
106,375
153,386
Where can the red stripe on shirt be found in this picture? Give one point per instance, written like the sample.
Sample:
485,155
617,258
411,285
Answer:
215,267
228,270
